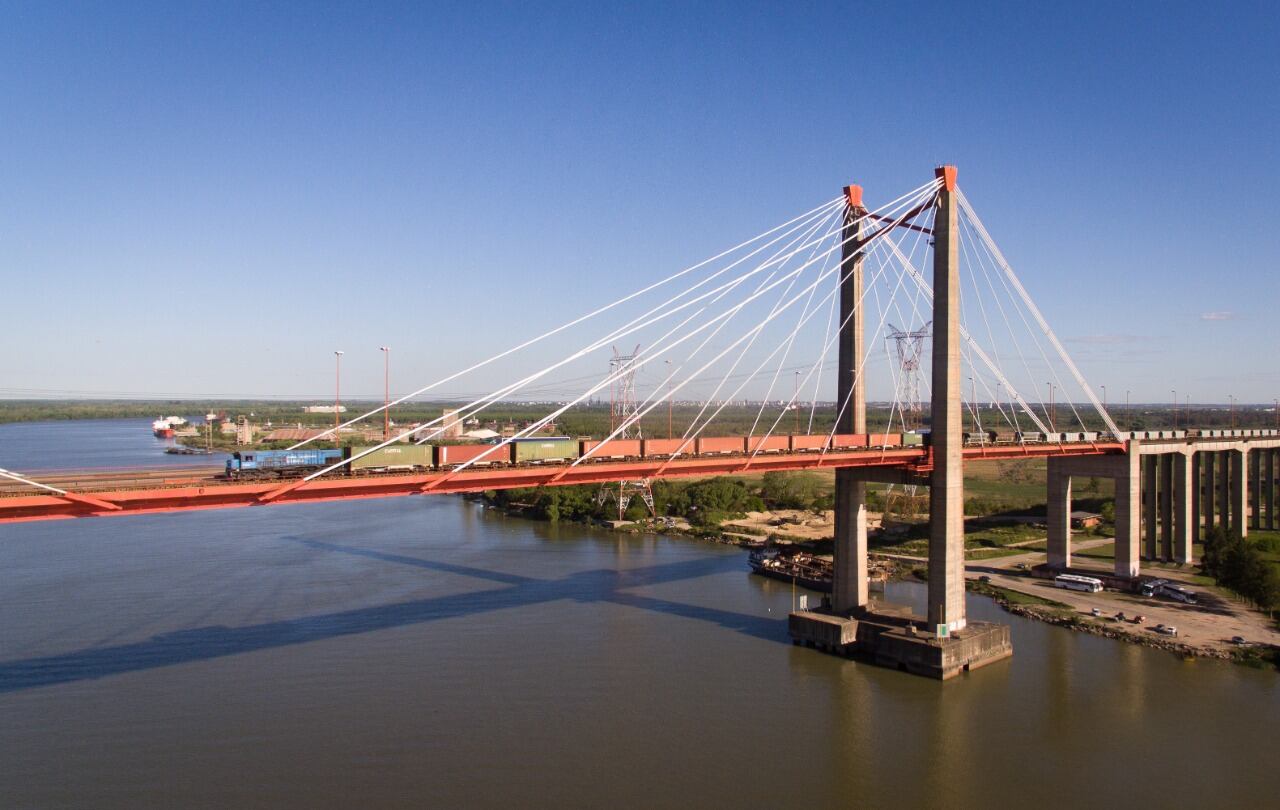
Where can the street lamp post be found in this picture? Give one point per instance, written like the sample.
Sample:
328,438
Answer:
337,392
670,397
386,392
1128,415
1175,408
795,405
1233,410
1053,410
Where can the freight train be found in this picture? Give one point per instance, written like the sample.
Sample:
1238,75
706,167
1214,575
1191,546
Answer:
251,464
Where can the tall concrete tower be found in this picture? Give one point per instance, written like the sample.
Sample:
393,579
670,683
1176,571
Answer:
849,587
946,482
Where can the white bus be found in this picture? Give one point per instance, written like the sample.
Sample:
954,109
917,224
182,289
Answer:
1075,582
1152,587
1177,592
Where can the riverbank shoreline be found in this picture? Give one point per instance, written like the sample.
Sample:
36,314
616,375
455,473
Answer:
1043,610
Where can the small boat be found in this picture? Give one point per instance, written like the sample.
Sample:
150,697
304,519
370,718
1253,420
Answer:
802,568
182,450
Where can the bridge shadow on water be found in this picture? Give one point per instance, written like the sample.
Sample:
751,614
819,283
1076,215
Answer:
206,643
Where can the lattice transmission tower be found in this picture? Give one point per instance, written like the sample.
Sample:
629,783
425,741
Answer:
622,407
909,346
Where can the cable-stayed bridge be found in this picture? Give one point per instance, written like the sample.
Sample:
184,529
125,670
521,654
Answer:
823,291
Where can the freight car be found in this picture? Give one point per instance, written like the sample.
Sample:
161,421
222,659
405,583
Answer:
392,458
278,463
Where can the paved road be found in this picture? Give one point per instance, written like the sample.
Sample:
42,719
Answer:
1209,624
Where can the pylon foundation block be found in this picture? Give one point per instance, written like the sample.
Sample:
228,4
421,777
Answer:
891,636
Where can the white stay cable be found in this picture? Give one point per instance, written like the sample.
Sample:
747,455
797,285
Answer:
964,333
576,321
653,350
23,480
1035,311
471,408
930,188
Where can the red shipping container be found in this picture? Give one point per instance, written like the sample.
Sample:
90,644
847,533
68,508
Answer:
451,455
885,440
844,441
614,448
808,443
719,445
769,444
663,448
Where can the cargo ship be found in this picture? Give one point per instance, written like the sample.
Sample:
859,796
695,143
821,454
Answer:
802,568
164,426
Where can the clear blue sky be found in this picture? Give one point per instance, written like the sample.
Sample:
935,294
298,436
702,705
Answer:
208,199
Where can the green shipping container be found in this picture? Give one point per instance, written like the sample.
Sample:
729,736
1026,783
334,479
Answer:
544,450
393,457
912,439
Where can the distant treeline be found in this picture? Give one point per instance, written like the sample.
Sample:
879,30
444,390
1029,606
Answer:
594,420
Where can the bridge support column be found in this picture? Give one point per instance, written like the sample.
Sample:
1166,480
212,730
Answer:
1224,491
1166,505
1271,489
1239,493
1184,506
1210,500
1150,529
1128,515
1196,499
1255,488
849,586
1058,514
946,483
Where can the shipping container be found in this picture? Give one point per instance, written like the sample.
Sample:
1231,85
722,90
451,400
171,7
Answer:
721,445
908,439
394,457
451,455
769,444
888,439
543,451
847,441
663,448
808,444
614,448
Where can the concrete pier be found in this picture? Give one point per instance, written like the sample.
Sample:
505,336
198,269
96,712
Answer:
1239,493
1270,488
1058,516
1210,492
849,586
1126,471
1150,529
1166,506
946,485
1184,497
894,638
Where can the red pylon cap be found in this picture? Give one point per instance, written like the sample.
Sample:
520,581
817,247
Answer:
948,175
853,195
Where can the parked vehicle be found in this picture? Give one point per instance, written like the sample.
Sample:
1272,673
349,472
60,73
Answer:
1166,629
1075,582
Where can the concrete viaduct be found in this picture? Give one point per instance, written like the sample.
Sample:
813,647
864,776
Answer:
1169,493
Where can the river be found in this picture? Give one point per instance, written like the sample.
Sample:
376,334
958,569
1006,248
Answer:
426,652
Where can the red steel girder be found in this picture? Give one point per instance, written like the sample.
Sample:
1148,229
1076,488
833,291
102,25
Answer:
214,494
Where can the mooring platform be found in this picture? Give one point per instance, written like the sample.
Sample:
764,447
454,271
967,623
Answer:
891,636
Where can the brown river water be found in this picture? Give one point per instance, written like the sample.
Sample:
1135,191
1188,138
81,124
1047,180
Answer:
425,652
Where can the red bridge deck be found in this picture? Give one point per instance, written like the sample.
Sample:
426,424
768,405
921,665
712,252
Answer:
120,494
